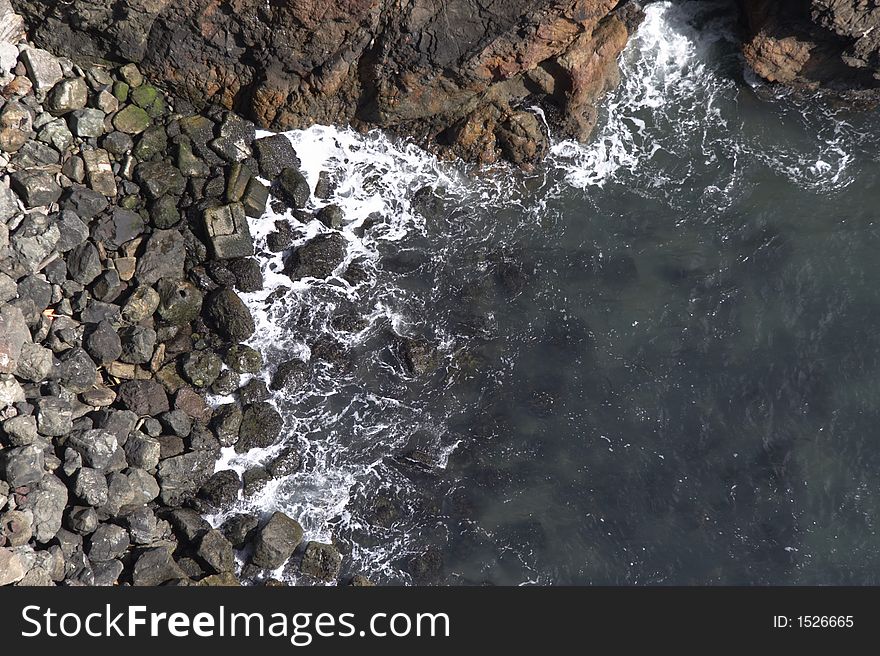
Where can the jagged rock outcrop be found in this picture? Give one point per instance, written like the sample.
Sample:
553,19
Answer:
815,44
457,72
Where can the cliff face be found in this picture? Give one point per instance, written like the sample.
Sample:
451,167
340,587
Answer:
453,71
816,44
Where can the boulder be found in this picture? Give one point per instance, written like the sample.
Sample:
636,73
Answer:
321,561
227,230
215,552
108,542
46,501
260,427
163,257
229,316
20,466
143,397
221,489
276,541
317,258
154,567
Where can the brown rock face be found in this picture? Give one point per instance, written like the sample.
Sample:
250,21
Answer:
456,72
816,44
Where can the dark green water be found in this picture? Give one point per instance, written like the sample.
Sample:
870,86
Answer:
659,356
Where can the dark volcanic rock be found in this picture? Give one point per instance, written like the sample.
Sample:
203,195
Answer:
229,316
260,426
322,561
143,397
317,258
276,541
163,257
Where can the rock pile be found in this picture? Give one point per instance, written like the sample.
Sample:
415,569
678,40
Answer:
124,245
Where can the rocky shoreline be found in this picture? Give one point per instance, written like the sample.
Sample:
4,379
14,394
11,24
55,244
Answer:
124,245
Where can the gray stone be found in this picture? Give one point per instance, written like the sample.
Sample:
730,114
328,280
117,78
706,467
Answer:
87,123
143,397
142,303
8,203
142,451
72,230
253,391
143,528
103,343
255,199
321,561
16,126
227,229
10,390
56,134
292,375
67,96
54,416
177,422
215,552
180,302
84,202
317,258
164,213
118,143
131,119
14,333
35,188
76,370
47,501
152,142
276,541
16,527
181,477
288,462
229,316
100,171
138,343
190,165
118,228
331,216
23,465
35,363
107,572
154,567
121,493
221,489
144,486
201,368
160,178
274,154
96,446
226,423
82,519
21,430
188,525
43,69
108,542
90,485
239,528
292,188
260,427
36,155
13,566
163,258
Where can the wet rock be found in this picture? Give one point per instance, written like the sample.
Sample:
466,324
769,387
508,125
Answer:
243,359
322,561
331,216
35,188
260,426
288,462
248,277
226,423
419,355
359,581
229,316
292,375
154,567
227,229
179,302
255,199
103,343
292,188
238,529
143,397
22,465
276,541
164,257
253,391
227,382
215,552
274,154
317,258
201,368
67,96
16,126
221,489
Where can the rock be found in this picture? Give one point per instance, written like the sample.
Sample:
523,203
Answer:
201,368
131,119
221,490
16,527
164,213
226,423
103,343
427,566
10,391
152,142
215,552
23,465
100,171
54,416
179,302
155,567
107,572
188,525
419,355
276,541
47,501
193,404
317,258
255,199
72,230
331,216
142,451
159,178
35,155
87,123
90,485
177,422
16,126
96,446
138,343
84,202
57,135
143,397
142,303
8,203
227,382
21,430
35,364
274,154
99,397
190,165
67,96
292,375
147,97
117,143
359,581
238,529
82,519
118,228
143,528
14,334
144,488
260,427
322,561
253,391
132,76
229,316
108,542
292,187
288,462
35,188
243,359
12,566
181,477
254,480
227,229
76,370
248,277
163,257
43,69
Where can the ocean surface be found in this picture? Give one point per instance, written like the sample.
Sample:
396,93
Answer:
658,356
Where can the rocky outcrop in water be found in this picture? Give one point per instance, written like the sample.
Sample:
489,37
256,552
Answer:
815,44
459,73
